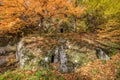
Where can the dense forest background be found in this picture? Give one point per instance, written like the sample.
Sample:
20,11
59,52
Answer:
21,18
96,22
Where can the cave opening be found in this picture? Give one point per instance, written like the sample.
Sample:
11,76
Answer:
52,59
61,30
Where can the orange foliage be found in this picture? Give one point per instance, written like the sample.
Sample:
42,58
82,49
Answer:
99,70
14,12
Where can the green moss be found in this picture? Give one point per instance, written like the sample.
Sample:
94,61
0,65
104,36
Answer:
11,75
94,71
19,74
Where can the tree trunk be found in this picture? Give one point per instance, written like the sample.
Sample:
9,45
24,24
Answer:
57,26
75,25
40,26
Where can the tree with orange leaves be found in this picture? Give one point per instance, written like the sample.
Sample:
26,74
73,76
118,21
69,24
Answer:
17,12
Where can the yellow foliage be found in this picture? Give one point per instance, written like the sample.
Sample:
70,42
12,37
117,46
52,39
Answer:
111,31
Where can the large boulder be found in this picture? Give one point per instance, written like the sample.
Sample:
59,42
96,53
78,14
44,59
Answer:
31,50
42,51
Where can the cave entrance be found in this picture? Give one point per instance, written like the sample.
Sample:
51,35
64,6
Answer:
52,58
61,30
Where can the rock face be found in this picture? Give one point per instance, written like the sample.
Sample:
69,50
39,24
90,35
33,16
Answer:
61,56
2,61
5,53
36,51
31,50
101,54
6,50
27,55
